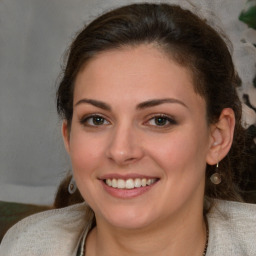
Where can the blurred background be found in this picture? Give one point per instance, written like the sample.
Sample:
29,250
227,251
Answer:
34,35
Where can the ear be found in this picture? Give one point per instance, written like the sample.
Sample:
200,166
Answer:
65,135
221,138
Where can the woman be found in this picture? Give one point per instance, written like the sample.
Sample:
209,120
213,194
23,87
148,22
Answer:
151,121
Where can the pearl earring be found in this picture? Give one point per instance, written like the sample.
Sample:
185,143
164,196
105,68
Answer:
216,177
72,186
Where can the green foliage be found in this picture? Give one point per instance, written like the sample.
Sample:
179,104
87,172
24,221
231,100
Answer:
248,14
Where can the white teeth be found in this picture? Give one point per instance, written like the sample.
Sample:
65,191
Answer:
130,183
120,183
137,183
114,183
150,181
109,182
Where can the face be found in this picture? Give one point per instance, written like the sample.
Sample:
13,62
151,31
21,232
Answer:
139,138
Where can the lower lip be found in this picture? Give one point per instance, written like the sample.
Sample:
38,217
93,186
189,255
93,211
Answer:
127,193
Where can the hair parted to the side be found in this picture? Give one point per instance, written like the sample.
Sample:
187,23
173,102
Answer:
188,40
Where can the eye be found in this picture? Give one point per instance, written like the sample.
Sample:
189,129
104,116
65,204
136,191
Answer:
161,121
94,120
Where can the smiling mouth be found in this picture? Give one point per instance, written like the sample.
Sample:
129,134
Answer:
129,183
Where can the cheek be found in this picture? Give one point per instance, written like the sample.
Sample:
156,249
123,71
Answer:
85,152
180,153
85,155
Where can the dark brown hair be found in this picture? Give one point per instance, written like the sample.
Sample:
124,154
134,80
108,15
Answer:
187,39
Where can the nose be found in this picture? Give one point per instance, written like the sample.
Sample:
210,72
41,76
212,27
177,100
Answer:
125,146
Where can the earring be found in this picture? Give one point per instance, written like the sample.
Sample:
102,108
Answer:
216,177
72,186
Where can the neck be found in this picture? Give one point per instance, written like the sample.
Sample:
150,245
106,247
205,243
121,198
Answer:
183,236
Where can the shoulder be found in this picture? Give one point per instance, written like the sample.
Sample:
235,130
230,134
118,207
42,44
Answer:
53,232
232,228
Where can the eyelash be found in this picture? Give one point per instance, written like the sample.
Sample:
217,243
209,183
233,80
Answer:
85,120
165,118
167,121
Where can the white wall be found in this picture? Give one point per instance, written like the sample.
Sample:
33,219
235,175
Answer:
33,37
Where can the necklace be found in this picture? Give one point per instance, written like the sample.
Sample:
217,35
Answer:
207,238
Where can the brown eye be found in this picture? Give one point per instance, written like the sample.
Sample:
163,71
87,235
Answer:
161,121
98,120
95,120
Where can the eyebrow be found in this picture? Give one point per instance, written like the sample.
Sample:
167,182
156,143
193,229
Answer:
140,106
96,103
156,102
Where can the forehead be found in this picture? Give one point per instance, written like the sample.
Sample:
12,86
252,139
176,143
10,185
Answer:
136,74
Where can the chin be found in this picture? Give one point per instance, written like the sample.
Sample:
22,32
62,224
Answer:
130,224
127,218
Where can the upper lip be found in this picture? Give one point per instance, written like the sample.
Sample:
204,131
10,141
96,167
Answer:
126,176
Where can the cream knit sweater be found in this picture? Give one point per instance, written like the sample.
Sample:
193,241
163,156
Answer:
232,231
